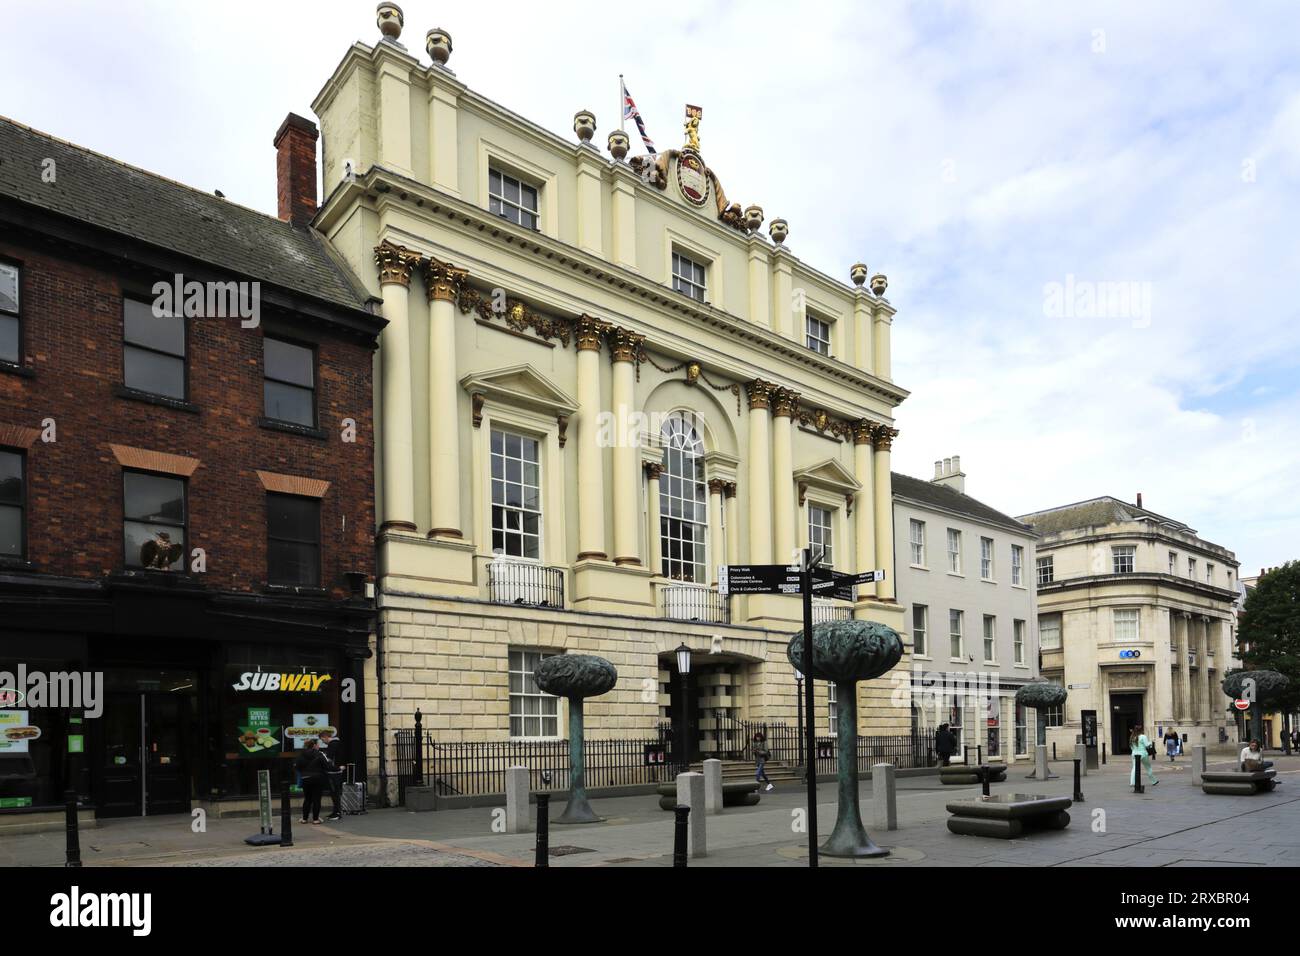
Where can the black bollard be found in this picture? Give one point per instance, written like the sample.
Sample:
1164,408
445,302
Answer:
1078,781
1053,749
984,779
74,836
1137,774
979,754
286,816
543,857
679,835
1103,753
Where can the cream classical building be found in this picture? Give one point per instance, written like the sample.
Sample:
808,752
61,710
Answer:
1136,618
965,580
599,381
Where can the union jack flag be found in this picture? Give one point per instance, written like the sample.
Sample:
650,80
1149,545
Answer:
631,112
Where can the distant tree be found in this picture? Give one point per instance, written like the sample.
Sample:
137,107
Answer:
1270,628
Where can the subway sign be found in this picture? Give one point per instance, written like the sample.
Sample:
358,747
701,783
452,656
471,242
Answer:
287,683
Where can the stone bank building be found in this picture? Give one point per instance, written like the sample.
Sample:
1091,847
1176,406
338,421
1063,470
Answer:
601,378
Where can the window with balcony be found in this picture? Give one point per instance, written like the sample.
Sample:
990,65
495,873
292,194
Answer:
917,535
512,199
1121,559
688,277
516,496
532,712
1017,565
683,503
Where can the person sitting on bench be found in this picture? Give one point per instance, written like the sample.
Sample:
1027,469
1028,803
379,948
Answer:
1252,759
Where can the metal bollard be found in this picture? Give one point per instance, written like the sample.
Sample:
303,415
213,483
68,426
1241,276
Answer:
543,857
679,835
1053,749
979,754
1078,781
1103,753
74,835
984,779
286,816
1137,774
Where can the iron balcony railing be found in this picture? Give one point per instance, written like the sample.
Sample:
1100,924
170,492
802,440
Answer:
528,585
691,602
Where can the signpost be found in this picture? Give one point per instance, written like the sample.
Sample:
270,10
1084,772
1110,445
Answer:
1241,704
804,579
268,836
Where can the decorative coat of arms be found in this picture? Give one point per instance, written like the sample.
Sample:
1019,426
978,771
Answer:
692,177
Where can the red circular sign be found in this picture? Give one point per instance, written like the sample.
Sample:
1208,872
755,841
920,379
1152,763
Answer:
1241,704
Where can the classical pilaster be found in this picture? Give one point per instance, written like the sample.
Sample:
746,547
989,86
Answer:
623,216
783,310
733,523
394,120
884,498
884,317
717,543
785,405
591,485
444,283
863,334
760,282
444,100
589,189
1207,691
395,264
624,347
653,536
1182,632
864,510
760,472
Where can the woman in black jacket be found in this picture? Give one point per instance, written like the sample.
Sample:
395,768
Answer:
945,744
313,768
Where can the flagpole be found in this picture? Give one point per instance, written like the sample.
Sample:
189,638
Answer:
622,106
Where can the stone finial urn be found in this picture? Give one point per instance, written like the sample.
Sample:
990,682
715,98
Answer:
576,677
858,273
390,20
778,229
753,218
1261,688
584,124
846,652
619,145
879,284
438,44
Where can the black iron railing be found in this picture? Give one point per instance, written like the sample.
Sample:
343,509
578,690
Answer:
529,585
687,602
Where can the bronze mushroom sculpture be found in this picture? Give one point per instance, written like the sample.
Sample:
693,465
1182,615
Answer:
846,652
1041,695
576,676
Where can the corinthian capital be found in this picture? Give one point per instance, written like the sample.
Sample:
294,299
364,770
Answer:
624,345
863,430
588,332
395,263
885,436
443,280
785,403
761,393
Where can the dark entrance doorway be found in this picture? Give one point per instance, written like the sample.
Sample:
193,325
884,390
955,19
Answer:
1125,714
145,751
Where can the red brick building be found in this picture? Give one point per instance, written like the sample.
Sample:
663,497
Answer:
186,482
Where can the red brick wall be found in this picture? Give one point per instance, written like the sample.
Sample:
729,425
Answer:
72,334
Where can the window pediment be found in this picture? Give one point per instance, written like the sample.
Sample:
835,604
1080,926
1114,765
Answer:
829,475
521,386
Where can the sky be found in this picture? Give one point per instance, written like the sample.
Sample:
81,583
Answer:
1087,211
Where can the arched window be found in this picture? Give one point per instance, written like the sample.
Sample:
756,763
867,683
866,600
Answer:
683,502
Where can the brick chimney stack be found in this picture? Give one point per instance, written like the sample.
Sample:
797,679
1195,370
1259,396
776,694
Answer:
295,169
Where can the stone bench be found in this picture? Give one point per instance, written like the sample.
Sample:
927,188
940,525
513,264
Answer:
1008,815
964,775
742,793
1238,781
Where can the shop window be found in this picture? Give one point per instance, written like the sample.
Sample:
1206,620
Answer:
289,388
153,350
10,317
533,713
13,522
293,540
155,521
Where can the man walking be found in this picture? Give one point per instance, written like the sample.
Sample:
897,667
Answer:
333,751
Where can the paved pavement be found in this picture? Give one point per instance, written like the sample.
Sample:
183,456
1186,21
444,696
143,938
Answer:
1173,824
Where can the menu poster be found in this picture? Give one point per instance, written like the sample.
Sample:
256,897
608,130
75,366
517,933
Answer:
258,737
308,727
16,732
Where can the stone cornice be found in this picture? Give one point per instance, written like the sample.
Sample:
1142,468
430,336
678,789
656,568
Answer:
423,201
1141,578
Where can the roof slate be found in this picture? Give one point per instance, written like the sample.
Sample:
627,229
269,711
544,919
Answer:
950,499
102,192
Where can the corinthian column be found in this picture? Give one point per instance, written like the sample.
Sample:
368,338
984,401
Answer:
397,455
444,283
733,523
864,508
760,472
654,533
624,347
717,543
884,497
591,485
784,407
